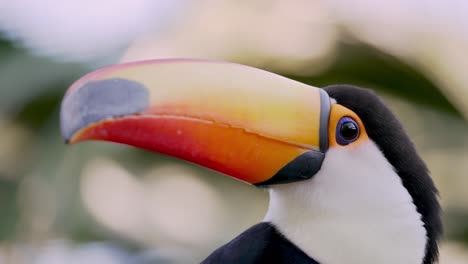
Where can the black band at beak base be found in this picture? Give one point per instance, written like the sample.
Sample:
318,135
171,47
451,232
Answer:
304,167
325,107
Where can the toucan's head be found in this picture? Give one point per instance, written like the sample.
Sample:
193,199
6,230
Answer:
334,147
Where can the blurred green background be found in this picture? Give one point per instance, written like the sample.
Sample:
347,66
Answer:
105,203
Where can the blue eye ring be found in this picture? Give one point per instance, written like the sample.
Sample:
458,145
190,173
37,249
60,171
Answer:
347,131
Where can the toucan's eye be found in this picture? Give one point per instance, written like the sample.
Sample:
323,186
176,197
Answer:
347,131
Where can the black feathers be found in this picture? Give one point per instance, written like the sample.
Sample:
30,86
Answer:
386,131
261,243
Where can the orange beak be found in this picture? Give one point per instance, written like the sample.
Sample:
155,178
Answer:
250,124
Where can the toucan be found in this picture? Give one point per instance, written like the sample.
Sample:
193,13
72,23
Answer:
345,182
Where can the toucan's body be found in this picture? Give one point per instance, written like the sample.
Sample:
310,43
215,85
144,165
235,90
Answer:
346,184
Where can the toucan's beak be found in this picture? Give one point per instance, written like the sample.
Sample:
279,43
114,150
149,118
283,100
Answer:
247,123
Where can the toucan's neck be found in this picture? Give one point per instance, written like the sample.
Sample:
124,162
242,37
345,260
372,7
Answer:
350,213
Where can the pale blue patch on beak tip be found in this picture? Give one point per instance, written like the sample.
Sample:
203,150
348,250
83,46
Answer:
99,100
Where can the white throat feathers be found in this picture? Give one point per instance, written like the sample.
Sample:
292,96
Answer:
354,210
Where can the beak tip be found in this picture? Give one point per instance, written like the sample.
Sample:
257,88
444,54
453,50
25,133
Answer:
95,101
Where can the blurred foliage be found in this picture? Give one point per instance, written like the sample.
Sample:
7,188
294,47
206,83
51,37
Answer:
366,66
456,219
8,209
36,111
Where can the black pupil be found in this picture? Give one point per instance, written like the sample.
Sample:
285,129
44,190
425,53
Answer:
348,130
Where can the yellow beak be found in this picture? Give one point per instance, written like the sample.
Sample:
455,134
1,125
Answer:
250,124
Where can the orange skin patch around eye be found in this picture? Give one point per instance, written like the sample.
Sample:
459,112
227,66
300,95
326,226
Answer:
336,113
